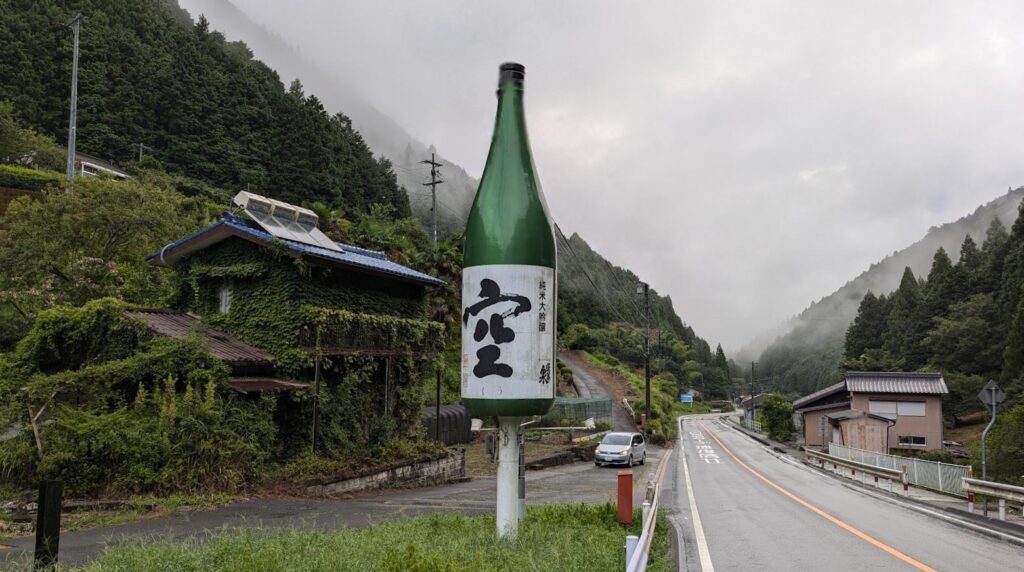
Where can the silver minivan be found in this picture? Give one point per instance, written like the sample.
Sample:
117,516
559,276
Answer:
621,448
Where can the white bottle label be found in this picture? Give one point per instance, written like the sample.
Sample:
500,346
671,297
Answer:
508,332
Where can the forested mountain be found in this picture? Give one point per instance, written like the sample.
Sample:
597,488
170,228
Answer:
807,355
199,103
205,108
383,135
585,304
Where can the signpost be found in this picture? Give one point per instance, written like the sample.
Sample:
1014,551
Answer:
990,395
687,398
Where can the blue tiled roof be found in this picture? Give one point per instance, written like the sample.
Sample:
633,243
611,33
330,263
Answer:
349,256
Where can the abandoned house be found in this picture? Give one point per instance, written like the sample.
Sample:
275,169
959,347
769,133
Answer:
289,308
876,411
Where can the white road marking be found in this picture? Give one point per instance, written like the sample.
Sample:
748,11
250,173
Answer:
698,529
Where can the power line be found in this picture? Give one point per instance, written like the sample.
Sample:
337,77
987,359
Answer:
583,270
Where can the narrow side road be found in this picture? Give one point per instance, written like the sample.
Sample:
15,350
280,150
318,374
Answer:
757,511
593,387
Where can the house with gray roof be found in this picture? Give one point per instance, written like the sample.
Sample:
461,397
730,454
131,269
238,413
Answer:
877,411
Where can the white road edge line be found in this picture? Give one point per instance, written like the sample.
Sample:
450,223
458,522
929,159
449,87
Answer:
698,529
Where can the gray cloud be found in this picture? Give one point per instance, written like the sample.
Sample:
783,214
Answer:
745,158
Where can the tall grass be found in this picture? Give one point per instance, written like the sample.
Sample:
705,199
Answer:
555,537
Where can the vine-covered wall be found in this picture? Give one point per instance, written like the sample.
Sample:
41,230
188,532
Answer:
294,309
272,294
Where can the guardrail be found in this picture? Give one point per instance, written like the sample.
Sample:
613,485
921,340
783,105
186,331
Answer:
1001,491
941,477
638,549
865,469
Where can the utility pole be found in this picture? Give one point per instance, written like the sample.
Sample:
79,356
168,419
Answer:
644,288
434,182
142,147
76,25
753,405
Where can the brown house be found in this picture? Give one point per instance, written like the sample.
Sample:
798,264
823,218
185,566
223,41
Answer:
876,411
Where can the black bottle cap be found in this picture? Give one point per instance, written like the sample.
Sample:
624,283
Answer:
511,72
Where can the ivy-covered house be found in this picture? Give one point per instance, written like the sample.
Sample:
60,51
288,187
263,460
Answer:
347,321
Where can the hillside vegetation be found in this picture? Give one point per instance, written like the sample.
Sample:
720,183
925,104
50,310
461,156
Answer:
213,120
804,355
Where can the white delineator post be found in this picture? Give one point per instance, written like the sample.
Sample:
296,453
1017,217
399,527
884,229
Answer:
508,477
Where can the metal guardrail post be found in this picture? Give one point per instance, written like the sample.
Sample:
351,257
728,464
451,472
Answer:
631,544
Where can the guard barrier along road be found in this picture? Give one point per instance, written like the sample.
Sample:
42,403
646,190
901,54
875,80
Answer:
942,477
865,469
637,560
1001,491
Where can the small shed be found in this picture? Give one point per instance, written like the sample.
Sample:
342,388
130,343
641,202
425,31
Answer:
860,430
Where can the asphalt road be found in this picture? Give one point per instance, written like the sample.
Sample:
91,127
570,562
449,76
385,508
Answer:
578,482
747,523
589,386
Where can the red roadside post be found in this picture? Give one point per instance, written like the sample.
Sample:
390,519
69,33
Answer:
625,502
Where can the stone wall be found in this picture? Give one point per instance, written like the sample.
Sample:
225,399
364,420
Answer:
422,473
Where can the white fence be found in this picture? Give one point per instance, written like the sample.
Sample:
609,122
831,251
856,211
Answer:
752,425
941,477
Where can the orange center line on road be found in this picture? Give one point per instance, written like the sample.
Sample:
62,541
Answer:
863,536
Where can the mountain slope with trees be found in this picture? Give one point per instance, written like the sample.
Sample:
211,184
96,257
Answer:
203,106
806,355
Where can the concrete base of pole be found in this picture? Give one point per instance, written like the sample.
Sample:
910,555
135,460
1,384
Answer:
508,477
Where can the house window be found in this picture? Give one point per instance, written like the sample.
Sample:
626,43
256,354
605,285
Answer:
224,298
910,408
875,406
912,441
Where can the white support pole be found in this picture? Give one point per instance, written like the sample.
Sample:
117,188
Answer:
1002,509
508,477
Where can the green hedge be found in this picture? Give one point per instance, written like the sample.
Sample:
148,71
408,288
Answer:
27,179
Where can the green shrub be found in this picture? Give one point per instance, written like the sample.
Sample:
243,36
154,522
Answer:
191,441
24,178
776,414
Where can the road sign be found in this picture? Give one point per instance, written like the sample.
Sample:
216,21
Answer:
686,398
991,394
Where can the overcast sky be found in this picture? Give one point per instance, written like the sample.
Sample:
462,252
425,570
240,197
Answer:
744,158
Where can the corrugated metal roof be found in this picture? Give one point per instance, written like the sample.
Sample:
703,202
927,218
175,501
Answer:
174,325
351,257
819,394
895,382
856,414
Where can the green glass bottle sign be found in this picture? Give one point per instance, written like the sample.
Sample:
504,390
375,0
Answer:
508,279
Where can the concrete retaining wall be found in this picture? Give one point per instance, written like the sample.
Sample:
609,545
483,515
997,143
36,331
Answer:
410,474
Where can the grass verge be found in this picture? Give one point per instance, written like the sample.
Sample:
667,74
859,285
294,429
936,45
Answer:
553,537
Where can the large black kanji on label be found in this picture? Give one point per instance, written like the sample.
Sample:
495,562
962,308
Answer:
494,325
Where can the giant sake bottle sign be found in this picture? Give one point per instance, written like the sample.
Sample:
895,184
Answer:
508,279
508,340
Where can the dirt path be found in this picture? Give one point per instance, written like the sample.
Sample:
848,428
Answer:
590,384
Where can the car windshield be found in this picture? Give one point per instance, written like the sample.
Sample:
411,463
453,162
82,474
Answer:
616,440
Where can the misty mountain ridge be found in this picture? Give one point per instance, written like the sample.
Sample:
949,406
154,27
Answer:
381,133
820,329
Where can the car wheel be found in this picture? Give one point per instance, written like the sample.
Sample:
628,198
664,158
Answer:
596,464
644,458
630,462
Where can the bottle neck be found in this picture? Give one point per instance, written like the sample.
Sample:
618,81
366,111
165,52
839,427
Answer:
510,122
